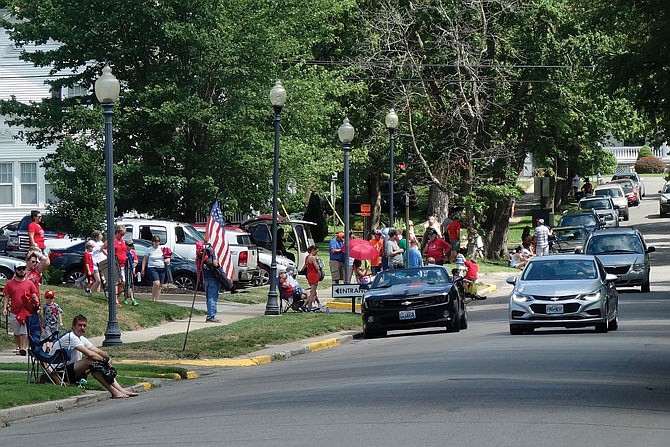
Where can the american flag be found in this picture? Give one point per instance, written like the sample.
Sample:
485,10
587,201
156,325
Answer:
215,235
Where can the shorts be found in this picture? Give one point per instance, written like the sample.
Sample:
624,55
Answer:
455,245
337,270
157,274
121,274
17,328
71,375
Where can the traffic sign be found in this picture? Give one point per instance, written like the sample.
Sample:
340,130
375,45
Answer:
365,207
347,291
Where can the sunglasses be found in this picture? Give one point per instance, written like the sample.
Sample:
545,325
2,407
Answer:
23,267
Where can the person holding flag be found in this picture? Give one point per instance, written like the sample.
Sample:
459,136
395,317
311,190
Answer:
217,266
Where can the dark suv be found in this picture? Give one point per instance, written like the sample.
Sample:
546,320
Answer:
18,241
581,218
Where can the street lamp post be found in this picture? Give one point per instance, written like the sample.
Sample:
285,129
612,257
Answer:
346,134
107,90
391,121
278,99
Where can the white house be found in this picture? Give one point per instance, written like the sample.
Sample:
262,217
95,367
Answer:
22,184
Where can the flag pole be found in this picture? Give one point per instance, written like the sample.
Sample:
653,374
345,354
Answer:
195,292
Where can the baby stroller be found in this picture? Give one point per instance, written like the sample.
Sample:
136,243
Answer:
291,301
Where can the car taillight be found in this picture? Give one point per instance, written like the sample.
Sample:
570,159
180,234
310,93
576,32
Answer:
54,254
243,259
60,236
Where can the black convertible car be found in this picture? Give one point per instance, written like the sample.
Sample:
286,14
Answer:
413,298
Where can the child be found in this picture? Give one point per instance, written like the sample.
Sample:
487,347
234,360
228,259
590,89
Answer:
89,268
52,315
131,262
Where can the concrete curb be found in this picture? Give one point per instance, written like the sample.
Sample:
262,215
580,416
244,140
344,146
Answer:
13,414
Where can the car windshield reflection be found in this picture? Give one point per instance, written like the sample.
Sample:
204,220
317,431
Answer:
558,270
615,243
388,278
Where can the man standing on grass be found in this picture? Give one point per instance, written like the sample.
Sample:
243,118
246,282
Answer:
86,358
20,300
336,251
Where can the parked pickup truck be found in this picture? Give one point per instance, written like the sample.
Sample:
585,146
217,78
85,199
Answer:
18,241
181,238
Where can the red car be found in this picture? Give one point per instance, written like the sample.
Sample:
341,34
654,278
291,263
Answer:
631,189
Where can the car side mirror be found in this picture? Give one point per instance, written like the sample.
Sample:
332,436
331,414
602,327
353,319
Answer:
616,207
578,251
651,249
610,277
511,280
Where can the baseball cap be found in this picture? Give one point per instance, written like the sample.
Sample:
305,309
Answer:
540,221
49,294
378,232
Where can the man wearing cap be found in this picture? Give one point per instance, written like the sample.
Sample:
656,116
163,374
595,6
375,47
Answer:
16,294
436,247
392,250
541,238
378,243
336,250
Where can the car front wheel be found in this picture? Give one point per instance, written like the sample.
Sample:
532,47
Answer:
184,282
515,329
646,287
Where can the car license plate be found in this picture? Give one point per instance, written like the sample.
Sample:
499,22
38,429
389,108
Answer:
554,308
407,314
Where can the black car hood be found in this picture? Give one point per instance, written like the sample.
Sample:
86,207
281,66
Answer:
406,290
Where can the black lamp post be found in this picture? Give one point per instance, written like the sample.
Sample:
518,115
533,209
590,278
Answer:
346,134
391,123
107,90
278,99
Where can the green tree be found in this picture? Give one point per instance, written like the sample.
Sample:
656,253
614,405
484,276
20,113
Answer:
193,121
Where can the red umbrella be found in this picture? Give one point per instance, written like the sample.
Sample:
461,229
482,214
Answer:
362,250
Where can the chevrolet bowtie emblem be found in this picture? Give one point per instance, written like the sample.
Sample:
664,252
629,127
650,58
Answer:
406,303
554,298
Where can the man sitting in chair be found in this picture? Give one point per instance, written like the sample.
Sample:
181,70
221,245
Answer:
86,358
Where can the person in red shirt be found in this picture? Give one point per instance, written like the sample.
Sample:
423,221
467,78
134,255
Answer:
121,256
35,231
15,305
454,234
436,247
36,263
89,267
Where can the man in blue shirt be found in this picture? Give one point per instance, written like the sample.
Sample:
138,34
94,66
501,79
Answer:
336,250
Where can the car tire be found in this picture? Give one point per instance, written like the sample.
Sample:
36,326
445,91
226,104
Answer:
614,324
184,281
627,216
464,318
263,277
369,332
72,276
601,328
515,329
5,273
646,286
455,325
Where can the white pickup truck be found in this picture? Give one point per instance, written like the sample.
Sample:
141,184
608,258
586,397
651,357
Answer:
181,238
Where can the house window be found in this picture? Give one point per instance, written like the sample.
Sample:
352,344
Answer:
29,183
6,184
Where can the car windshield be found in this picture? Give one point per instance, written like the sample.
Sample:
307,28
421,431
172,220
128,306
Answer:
559,270
596,204
578,219
614,243
612,192
425,275
569,234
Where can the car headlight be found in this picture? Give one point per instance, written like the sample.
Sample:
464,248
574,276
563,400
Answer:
637,268
521,297
592,296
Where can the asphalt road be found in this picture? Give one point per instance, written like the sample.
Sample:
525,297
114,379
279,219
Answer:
479,387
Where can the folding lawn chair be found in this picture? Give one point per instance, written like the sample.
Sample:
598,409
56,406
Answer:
290,302
43,365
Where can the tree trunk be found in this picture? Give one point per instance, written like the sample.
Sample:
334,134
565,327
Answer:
375,201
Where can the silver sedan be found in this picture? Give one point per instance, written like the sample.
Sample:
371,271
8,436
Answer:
563,291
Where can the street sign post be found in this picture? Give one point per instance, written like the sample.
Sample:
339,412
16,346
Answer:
352,291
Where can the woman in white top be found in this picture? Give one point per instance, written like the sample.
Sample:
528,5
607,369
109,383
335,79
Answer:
154,263
99,257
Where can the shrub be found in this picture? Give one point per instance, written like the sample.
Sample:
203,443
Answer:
649,165
645,151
